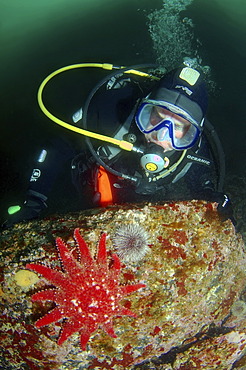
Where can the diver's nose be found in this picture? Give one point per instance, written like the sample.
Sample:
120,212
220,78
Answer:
163,133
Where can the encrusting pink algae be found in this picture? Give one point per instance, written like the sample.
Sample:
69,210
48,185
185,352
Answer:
175,306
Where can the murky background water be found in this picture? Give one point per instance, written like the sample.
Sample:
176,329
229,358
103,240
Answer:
39,37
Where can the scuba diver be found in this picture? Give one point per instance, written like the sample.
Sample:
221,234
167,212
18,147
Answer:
147,140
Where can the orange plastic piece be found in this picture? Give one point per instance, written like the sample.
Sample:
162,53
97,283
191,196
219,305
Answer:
104,187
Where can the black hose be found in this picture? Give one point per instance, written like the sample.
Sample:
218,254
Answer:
218,153
96,156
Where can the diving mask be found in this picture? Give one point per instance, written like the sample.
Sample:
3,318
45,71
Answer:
171,123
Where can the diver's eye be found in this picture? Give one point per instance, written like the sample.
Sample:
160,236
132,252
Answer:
162,113
183,127
156,116
178,127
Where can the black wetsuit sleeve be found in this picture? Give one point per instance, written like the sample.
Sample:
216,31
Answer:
47,166
202,179
203,182
44,173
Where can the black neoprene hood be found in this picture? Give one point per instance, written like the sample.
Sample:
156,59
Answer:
192,98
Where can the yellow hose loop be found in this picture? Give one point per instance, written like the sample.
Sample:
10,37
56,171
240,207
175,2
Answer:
173,167
121,143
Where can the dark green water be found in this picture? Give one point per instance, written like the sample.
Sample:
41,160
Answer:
39,37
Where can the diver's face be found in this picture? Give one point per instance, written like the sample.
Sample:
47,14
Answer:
179,127
166,144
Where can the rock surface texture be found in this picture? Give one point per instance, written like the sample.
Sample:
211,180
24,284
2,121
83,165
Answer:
186,308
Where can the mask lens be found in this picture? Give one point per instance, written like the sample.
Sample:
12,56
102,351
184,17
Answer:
169,126
157,115
186,138
143,117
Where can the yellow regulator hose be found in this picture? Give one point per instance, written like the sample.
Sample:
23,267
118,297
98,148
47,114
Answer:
120,143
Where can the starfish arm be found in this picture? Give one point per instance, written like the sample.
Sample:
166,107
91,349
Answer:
108,328
69,263
52,316
84,337
46,295
116,263
74,325
54,276
71,326
85,254
102,253
114,270
127,289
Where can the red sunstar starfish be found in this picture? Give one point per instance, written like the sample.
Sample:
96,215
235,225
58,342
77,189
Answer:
87,293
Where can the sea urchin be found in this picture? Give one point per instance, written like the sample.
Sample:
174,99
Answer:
131,241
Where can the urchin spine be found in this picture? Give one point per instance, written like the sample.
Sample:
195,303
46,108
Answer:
131,242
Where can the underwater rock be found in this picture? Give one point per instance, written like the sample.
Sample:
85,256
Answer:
193,272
